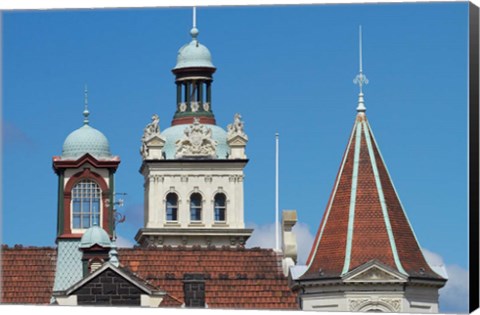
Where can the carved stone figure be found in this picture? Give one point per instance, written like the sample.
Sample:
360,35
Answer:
237,127
196,141
153,128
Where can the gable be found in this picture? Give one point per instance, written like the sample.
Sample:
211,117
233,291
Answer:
108,288
374,272
155,140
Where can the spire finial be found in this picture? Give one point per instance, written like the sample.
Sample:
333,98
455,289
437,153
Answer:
360,79
86,112
194,31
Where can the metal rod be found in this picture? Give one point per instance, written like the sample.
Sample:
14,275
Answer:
277,243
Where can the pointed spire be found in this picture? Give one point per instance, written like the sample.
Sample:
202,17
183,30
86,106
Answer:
360,79
364,220
86,112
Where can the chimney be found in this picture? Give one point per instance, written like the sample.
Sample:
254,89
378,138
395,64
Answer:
289,240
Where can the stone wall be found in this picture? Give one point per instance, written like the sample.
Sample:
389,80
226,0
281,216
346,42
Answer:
108,288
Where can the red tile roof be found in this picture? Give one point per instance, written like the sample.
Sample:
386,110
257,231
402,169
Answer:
370,237
234,278
27,274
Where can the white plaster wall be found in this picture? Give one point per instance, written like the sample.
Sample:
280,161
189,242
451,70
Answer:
416,299
205,179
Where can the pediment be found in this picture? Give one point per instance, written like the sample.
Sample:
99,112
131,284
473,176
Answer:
374,272
155,140
237,140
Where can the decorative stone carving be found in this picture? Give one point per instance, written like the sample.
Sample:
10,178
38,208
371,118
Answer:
152,140
236,128
196,142
355,303
395,304
183,107
235,178
236,138
156,178
206,106
374,274
365,304
195,106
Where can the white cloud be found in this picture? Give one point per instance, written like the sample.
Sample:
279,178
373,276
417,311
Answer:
264,236
123,242
454,295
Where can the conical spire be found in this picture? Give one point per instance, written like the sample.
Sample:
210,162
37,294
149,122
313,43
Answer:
364,220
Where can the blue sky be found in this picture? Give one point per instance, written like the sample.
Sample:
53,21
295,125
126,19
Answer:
284,68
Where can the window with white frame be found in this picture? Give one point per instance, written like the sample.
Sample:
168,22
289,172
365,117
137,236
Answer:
172,207
195,207
220,207
86,196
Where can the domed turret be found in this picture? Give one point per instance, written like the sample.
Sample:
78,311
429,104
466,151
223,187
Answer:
194,54
86,140
95,235
193,72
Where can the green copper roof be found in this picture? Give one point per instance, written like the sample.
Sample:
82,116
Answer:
95,235
86,140
194,54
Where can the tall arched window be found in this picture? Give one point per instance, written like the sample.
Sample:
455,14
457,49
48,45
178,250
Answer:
196,207
172,207
86,196
220,207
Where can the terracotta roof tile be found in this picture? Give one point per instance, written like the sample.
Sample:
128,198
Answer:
369,237
27,274
165,269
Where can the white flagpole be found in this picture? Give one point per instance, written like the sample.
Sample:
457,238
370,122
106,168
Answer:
277,245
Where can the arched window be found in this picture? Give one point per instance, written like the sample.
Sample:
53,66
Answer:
86,197
196,207
172,207
220,207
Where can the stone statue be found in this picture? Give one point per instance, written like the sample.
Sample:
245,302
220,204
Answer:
237,127
153,127
196,141
150,129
